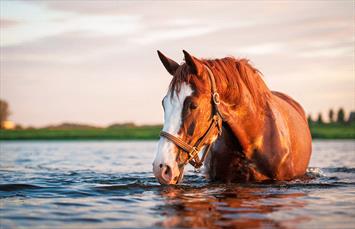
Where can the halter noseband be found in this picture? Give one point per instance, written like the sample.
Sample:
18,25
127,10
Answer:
192,151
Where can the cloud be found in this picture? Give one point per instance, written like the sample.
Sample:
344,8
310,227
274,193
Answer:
172,34
8,23
262,49
78,60
66,48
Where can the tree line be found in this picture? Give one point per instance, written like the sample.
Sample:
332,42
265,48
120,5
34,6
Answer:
333,118
4,112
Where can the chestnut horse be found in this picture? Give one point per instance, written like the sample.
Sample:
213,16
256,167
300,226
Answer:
223,109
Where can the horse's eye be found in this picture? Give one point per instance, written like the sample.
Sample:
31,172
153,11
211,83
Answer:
193,105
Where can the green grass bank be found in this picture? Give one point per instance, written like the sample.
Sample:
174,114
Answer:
319,131
333,131
124,133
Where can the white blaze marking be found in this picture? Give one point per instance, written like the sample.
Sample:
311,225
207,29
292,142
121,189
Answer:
172,121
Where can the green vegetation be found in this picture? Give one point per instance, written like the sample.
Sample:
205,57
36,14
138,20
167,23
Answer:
121,133
319,131
332,131
336,128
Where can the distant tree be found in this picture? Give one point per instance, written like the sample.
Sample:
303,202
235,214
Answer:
341,116
320,119
351,118
4,112
122,125
18,127
70,126
331,116
309,119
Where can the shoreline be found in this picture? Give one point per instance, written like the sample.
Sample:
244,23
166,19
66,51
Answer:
318,131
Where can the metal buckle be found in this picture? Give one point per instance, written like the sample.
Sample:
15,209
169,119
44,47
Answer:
191,154
215,98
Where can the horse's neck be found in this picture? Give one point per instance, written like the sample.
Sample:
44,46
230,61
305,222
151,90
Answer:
246,124
247,110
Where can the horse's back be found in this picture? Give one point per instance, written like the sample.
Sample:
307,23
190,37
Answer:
291,101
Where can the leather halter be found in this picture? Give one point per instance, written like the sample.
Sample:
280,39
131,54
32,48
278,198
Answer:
216,121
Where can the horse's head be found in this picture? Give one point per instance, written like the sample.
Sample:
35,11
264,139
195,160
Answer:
191,118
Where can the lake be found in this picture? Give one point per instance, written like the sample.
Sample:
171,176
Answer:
110,184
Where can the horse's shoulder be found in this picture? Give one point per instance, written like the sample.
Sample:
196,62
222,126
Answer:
290,101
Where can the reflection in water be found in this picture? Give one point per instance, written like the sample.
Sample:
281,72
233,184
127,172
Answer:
233,206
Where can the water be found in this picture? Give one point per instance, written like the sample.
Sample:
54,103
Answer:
109,184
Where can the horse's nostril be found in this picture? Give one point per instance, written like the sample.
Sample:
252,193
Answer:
161,165
166,173
167,170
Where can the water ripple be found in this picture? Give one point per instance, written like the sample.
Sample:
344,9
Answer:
17,187
56,188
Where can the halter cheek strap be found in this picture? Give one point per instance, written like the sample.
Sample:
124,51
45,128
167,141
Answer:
193,150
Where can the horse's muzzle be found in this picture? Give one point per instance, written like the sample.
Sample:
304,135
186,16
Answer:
167,174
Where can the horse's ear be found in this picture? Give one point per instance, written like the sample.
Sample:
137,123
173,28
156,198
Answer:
195,64
169,64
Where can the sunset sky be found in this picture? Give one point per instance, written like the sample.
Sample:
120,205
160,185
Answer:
95,62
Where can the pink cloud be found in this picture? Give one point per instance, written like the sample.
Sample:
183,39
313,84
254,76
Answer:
7,23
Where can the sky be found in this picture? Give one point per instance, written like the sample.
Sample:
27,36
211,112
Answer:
95,62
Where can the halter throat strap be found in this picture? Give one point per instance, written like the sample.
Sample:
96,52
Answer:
193,150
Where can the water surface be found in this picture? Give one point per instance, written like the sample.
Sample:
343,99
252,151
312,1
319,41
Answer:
109,184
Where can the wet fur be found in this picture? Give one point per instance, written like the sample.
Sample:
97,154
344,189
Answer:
265,134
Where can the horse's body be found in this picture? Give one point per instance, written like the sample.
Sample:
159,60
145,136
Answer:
265,135
273,150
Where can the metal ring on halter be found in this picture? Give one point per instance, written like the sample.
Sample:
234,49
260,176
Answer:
192,154
215,98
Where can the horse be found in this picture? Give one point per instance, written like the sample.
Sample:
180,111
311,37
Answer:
222,109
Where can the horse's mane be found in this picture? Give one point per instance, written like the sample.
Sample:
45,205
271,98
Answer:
230,75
